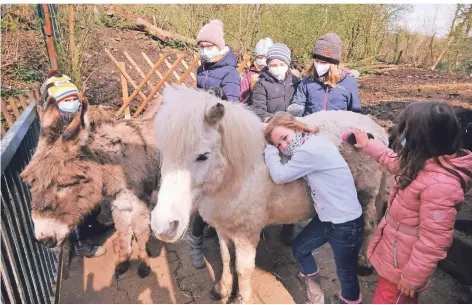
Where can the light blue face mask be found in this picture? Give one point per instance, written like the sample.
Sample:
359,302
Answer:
208,53
403,142
70,107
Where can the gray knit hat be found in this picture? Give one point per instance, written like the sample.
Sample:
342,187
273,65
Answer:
328,48
279,51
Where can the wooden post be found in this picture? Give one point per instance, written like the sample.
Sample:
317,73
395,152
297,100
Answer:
49,38
192,75
177,77
136,67
22,101
6,115
157,86
12,102
3,131
128,78
188,71
146,58
141,85
124,91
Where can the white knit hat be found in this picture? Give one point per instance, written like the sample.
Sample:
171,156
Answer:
262,46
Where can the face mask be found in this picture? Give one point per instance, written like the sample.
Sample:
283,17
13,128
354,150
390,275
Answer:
71,107
403,142
279,72
322,68
208,53
261,62
297,141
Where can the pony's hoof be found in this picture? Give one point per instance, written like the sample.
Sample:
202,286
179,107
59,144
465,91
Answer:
365,270
238,299
122,267
216,293
143,270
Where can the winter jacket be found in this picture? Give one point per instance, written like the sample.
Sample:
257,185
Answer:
315,96
271,95
222,74
418,227
247,84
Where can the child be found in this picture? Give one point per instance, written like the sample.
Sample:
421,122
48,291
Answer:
219,62
276,85
339,221
328,86
251,77
432,175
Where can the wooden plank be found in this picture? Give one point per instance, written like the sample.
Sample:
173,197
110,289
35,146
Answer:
36,93
3,131
125,74
188,71
146,58
124,91
157,86
12,102
6,115
176,75
141,85
30,97
133,63
192,75
22,102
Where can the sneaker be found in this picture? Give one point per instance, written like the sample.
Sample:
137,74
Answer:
87,249
196,252
314,293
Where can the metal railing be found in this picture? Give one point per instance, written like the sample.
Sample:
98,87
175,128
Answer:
29,271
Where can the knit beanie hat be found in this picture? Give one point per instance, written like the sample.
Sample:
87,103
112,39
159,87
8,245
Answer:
279,51
262,46
328,48
60,87
212,32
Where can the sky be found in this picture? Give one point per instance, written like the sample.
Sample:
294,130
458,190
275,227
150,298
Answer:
422,18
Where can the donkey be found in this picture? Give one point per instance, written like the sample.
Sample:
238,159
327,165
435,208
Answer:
77,163
212,161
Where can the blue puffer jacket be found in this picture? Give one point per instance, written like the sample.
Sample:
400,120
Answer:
315,96
222,74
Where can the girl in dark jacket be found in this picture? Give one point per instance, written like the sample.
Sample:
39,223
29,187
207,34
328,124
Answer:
276,85
219,62
328,85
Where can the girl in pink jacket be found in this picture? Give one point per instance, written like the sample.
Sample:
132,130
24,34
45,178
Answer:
432,174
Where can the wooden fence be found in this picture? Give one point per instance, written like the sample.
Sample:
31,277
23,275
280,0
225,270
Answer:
13,107
170,77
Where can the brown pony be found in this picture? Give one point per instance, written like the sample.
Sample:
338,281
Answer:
77,163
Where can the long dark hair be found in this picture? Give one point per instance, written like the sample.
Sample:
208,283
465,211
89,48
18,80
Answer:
430,130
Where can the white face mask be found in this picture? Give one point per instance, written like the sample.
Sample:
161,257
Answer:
261,62
322,68
72,106
279,72
208,53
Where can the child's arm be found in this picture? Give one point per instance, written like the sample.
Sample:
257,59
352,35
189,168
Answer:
436,229
298,166
383,155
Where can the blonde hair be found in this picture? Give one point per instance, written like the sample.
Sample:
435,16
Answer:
331,78
286,120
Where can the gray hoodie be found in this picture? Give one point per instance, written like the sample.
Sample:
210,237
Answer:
319,162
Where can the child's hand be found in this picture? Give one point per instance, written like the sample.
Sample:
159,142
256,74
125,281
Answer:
405,289
361,139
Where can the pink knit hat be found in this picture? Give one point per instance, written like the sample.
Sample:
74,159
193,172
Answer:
212,32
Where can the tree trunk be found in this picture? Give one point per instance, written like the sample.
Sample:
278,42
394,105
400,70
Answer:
442,53
163,34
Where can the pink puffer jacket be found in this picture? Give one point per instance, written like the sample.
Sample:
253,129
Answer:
418,228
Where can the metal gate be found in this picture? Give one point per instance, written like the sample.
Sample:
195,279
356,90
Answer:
29,271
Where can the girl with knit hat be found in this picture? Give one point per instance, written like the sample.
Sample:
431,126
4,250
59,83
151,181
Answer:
219,62
276,85
251,77
328,85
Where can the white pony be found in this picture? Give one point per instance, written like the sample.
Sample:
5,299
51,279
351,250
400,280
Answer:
213,162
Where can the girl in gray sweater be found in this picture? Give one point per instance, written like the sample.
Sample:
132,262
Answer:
339,221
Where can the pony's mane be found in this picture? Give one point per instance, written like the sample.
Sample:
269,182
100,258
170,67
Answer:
180,125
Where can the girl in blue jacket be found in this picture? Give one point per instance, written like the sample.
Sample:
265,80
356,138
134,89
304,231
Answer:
328,85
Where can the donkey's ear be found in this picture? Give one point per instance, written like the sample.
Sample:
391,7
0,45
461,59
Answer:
79,122
214,114
51,114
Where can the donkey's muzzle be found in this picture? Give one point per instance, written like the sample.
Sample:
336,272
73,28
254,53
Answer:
167,231
49,242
